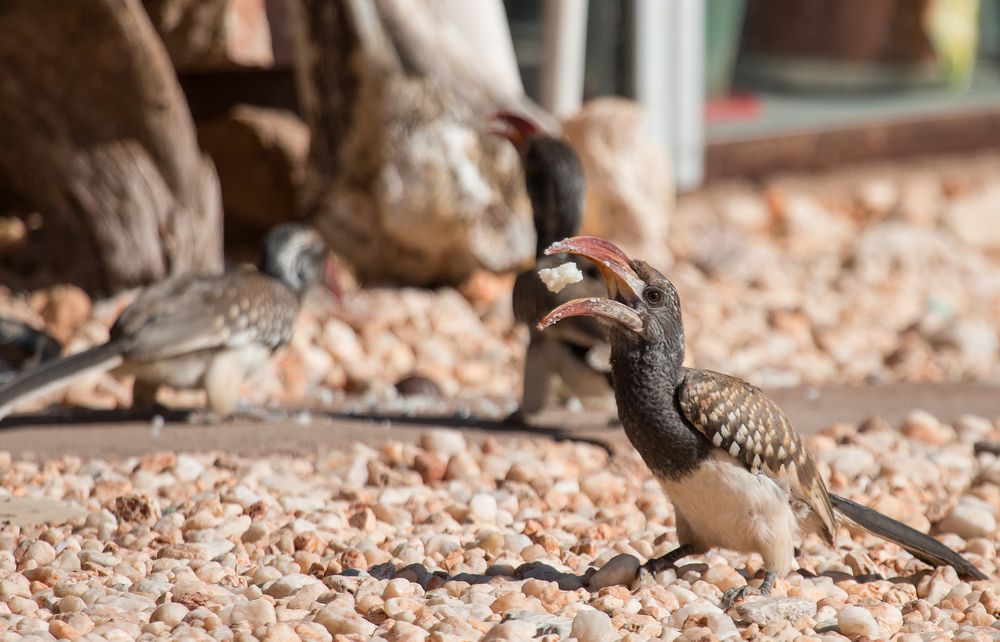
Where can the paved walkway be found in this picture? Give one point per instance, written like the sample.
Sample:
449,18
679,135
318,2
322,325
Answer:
116,435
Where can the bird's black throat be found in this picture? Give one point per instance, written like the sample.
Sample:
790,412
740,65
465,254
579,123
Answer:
646,377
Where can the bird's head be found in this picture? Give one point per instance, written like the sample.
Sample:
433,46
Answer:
553,177
642,304
296,255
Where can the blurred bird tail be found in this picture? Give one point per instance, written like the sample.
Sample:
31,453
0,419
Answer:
55,374
922,546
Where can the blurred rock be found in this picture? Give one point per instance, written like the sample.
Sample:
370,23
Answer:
418,385
810,226
212,35
65,310
630,189
973,217
401,159
260,156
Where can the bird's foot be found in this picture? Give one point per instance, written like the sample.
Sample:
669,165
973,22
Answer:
740,593
664,562
737,594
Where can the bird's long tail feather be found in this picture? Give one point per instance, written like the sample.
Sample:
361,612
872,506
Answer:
922,546
53,375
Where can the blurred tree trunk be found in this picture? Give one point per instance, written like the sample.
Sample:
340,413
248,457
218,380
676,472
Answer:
98,139
404,179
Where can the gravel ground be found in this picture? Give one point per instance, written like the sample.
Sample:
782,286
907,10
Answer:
449,539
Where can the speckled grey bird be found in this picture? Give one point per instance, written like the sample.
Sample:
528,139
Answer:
733,466
196,330
575,352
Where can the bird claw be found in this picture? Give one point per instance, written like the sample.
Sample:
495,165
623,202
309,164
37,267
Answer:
737,594
654,566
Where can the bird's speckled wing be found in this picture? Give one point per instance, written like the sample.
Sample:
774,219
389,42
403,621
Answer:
198,312
532,301
739,419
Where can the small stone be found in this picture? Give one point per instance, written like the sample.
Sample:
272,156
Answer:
340,620
138,509
281,632
443,442
510,630
430,466
925,427
724,577
491,542
63,630
40,552
255,533
619,570
593,626
855,622
968,520
722,626
696,608
170,614
544,623
71,604
290,585
255,612
99,558
363,520
765,610
483,507
462,466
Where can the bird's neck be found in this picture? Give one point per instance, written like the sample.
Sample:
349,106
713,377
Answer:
646,377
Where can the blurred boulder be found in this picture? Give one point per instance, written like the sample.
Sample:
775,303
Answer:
405,181
630,187
260,155
98,140
211,35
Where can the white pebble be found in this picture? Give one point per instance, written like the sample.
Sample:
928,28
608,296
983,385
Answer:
854,622
593,626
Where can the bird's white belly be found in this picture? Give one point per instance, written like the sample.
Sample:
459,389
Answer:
188,370
185,371
722,504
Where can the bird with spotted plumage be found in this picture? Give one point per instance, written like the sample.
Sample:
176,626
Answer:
734,467
208,331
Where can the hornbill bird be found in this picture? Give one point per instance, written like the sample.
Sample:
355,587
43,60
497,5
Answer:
196,330
576,352
733,466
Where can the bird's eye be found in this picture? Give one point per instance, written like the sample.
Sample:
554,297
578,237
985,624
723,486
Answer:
653,296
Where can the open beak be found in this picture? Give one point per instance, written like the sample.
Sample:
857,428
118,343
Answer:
624,285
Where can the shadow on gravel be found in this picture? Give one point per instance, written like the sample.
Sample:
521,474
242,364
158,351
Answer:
555,433
178,418
86,416
591,579
429,580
